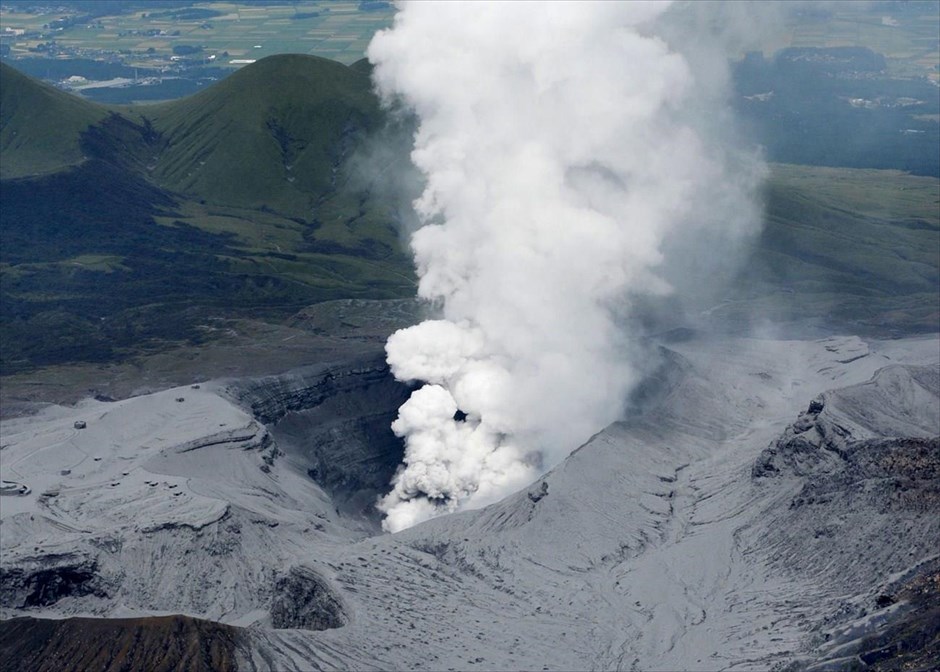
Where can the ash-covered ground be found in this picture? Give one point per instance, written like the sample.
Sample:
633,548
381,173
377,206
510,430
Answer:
771,503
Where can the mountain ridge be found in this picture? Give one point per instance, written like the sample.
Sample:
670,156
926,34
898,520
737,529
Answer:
238,198
276,171
40,126
272,134
235,143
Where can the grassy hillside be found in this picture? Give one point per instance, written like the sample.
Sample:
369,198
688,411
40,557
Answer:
125,230
856,250
237,201
272,135
40,126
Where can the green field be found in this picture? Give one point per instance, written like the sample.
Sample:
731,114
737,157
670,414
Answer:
339,31
846,250
906,33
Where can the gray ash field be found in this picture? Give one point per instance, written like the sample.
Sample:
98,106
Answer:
769,507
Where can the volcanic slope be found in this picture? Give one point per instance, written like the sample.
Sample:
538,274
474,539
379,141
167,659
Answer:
237,200
767,504
655,546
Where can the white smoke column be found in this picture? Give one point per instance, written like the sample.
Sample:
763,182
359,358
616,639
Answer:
558,155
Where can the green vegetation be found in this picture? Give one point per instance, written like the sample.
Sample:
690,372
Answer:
40,126
241,202
237,201
848,249
272,135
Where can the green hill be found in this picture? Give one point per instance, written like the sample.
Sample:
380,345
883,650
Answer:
124,228
40,126
272,135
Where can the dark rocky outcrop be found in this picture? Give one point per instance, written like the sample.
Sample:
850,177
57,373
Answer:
537,494
303,599
900,402
895,473
270,398
50,579
912,640
333,423
863,463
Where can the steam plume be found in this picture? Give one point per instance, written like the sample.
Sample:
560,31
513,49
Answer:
563,144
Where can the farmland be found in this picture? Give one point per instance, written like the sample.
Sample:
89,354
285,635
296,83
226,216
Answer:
218,31
906,33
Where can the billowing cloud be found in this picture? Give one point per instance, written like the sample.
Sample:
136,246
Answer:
563,145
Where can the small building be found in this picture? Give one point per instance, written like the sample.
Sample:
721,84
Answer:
80,424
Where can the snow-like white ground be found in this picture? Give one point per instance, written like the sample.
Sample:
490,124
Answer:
646,549
98,475
173,504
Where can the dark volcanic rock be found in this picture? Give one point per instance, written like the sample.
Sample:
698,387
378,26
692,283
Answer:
908,637
894,473
333,423
48,580
270,398
536,496
911,641
900,402
864,465
302,599
157,644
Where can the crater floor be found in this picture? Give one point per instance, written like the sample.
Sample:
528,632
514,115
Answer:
773,504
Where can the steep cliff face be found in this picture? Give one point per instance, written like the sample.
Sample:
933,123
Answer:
332,422
44,580
859,477
270,398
